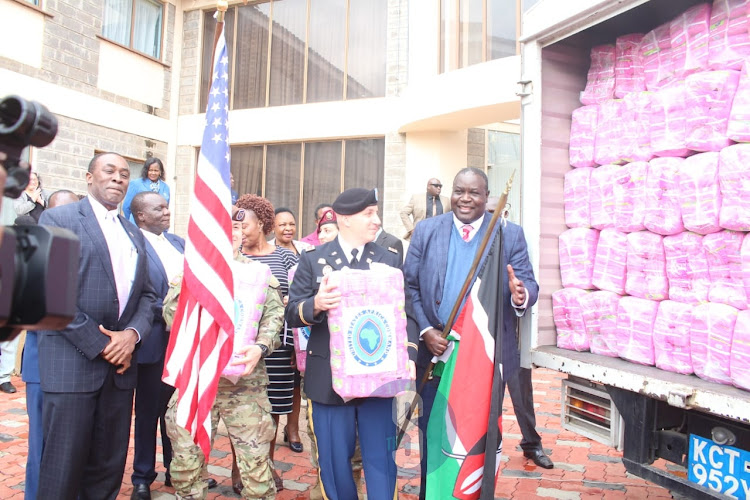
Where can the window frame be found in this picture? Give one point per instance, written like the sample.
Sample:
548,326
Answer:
130,46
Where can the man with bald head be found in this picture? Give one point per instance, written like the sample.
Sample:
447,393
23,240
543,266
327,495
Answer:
424,205
62,197
87,369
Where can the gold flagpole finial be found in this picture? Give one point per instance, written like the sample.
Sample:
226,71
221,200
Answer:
221,8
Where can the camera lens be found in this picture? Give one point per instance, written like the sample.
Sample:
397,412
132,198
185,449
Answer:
26,123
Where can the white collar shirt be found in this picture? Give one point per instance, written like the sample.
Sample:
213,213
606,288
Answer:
171,258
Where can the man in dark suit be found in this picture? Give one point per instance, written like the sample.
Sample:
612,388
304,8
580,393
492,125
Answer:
431,254
165,262
86,370
336,424
390,242
424,205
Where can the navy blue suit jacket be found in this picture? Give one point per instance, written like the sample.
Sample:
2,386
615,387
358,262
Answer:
425,267
153,348
69,359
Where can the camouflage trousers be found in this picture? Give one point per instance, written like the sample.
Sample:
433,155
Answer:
247,416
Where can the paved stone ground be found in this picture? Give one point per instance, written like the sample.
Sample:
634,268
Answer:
584,469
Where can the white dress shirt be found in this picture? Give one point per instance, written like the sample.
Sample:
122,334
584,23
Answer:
170,257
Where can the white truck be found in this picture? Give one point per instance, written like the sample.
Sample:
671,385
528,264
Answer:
664,413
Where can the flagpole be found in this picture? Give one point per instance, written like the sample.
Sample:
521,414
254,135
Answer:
221,10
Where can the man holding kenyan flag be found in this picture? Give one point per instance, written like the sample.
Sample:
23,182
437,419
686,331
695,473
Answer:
467,387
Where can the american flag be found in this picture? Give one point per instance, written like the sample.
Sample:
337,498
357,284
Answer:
203,331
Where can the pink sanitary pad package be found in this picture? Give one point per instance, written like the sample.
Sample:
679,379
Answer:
599,311
647,273
725,268
663,214
635,326
577,251
700,194
582,136
711,340
568,318
687,268
739,357
672,337
734,183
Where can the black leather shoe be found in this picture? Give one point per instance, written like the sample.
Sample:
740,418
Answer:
167,480
7,387
140,492
295,446
539,458
211,482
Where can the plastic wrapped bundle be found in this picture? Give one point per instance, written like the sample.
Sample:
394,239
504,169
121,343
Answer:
369,355
583,135
577,250
609,145
251,281
636,141
635,326
566,312
739,357
668,121
687,268
602,196
647,266
628,66
729,41
672,337
745,263
738,128
600,82
725,268
576,195
610,267
663,214
700,193
630,197
656,57
709,102
599,310
689,40
734,183
711,341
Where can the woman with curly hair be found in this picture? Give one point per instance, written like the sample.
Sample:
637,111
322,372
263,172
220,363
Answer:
151,179
256,226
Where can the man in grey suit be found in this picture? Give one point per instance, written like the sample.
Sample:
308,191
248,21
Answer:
88,369
424,205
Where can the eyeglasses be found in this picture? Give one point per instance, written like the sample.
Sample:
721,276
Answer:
436,185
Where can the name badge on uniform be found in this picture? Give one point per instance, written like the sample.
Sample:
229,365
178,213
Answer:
321,260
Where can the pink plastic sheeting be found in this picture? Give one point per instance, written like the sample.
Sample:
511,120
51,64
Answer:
629,75
610,264
577,250
687,268
709,102
630,197
725,268
663,214
745,260
669,120
738,128
576,196
599,310
583,136
635,327
672,337
567,314
647,267
656,57
739,357
689,40
734,183
636,141
611,128
600,82
602,196
711,341
729,41
700,194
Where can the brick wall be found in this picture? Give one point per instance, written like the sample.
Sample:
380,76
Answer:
185,163
475,156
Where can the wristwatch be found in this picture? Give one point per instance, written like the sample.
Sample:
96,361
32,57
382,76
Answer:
263,350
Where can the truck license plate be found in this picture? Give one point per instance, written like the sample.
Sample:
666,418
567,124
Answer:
721,468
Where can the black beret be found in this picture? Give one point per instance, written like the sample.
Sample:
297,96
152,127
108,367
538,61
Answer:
352,201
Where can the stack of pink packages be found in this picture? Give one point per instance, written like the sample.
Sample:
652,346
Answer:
576,195
602,197
689,40
369,356
582,136
709,102
745,263
577,251
687,268
599,311
609,146
711,340
668,121
656,57
629,75
672,337
663,214
635,326
251,281
738,128
566,312
610,263
630,196
700,194
739,358
600,83
637,132
725,268
734,179
729,41
646,263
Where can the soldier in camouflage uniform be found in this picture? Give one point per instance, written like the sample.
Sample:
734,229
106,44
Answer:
244,407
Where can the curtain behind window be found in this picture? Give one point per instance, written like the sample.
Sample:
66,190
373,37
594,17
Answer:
247,169
116,23
252,56
147,33
365,165
283,164
322,180
209,31
325,59
367,47
288,52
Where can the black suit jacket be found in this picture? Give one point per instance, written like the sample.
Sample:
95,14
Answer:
69,359
388,241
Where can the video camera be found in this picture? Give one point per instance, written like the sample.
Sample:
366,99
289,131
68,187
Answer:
38,265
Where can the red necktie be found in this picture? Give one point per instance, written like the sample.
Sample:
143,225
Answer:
466,229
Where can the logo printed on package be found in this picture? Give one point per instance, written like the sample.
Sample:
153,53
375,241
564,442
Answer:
371,338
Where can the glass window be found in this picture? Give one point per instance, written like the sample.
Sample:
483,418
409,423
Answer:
365,165
209,32
501,29
527,4
470,18
252,56
322,178
288,37
283,169
367,44
503,157
134,23
325,52
247,169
